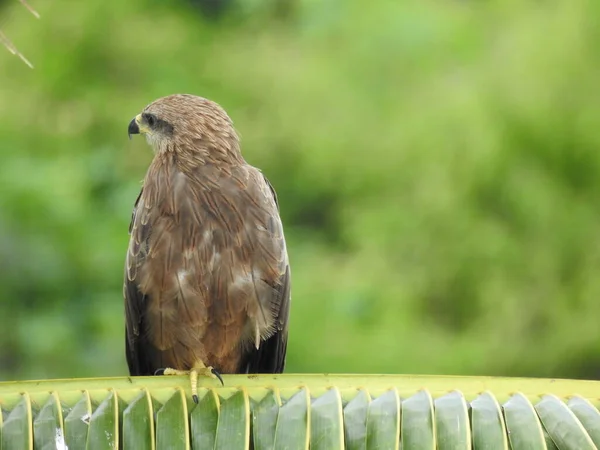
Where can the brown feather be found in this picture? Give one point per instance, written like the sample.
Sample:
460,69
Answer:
207,273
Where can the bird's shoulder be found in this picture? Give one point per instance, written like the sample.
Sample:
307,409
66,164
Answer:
237,198
170,176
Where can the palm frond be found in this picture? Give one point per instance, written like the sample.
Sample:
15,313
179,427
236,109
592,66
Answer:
301,411
8,43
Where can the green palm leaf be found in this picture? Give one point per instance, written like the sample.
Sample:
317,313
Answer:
301,411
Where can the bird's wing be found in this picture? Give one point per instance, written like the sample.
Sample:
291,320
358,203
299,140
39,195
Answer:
269,356
134,299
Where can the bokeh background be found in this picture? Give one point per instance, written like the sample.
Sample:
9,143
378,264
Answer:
437,165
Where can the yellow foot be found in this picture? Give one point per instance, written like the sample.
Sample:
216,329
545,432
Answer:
200,369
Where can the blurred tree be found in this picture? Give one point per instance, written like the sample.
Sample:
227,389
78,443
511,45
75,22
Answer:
216,9
212,9
437,170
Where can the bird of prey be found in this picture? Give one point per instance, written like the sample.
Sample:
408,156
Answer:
207,277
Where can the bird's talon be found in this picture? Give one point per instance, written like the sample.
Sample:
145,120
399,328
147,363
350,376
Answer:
218,375
195,398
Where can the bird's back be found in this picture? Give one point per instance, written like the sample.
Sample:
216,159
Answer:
206,267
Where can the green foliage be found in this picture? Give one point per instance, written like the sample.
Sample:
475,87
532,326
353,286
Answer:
301,411
437,168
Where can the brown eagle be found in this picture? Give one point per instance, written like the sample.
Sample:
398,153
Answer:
207,277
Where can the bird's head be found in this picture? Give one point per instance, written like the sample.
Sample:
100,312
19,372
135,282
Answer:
189,125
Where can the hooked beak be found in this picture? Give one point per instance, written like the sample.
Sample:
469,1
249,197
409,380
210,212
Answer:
133,128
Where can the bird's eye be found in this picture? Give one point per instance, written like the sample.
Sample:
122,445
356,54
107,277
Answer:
151,120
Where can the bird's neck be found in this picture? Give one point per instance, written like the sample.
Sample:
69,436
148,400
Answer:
191,161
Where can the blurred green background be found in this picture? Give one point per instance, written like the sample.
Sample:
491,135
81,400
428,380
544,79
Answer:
437,165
